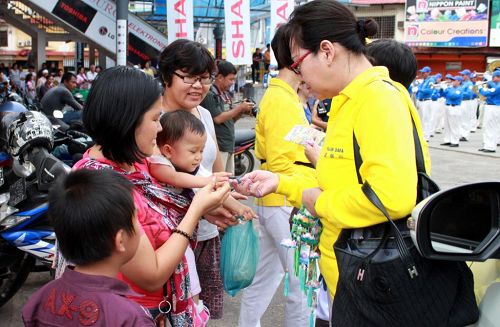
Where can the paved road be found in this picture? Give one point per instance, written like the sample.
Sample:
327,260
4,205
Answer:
450,167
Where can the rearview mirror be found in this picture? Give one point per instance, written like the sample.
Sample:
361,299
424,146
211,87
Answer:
462,223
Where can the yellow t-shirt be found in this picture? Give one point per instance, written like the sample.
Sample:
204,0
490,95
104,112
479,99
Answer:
280,110
379,115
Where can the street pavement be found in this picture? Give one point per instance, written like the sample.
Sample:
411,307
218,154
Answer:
450,167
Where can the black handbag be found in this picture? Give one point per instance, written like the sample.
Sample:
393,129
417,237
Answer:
384,281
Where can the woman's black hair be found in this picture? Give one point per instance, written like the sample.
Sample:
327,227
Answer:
191,57
281,46
116,104
397,57
87,208
330,20
174,124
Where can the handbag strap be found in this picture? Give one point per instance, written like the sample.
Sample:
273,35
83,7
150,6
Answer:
372,196
404,253
419,156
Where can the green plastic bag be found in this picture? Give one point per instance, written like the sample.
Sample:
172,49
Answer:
239,257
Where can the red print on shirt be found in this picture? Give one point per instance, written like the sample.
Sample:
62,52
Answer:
89,313
88,310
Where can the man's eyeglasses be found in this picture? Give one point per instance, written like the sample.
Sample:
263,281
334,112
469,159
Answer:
205,80
295,67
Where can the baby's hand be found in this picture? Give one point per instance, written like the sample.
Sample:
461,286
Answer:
248,213
220,177
245,211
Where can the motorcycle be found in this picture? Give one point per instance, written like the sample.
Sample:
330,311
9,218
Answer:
27,170
244,161
70,142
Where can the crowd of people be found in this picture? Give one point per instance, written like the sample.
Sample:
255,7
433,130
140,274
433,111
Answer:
142,214
34,84
459,105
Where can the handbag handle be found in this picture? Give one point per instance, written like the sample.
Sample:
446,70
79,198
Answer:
400,243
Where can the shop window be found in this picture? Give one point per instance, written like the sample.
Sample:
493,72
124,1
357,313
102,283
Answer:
3,39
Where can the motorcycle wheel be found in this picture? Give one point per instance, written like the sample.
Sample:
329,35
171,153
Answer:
13,275
243,163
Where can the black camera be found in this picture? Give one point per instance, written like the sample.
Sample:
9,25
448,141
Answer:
255,109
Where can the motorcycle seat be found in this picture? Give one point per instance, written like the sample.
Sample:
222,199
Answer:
242,136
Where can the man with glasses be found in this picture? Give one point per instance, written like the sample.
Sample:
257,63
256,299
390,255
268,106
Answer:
224,113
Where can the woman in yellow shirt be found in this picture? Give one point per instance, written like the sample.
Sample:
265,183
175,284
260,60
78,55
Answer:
328,49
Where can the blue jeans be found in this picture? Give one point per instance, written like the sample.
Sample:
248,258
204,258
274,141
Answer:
72,115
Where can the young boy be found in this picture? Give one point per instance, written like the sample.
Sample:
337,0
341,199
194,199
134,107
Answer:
93,215
181,143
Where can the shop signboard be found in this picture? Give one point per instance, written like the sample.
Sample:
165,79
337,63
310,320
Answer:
447,23
495,24
97,20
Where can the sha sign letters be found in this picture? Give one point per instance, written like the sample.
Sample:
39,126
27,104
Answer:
237,22
280,12
180,20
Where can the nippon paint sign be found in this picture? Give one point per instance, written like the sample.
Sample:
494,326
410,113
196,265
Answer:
446,23
97,20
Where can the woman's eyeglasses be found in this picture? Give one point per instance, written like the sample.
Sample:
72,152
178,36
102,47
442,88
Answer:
295,67
188,79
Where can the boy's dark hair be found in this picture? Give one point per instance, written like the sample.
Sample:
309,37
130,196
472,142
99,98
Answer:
397,57
116,104
174,124
87,208
191,57
281,46
225,68
67,77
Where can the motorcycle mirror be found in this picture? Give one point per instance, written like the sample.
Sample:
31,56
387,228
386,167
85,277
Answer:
461,224
24,169
58,114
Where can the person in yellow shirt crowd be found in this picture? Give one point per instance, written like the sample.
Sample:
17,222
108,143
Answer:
328,48
280,111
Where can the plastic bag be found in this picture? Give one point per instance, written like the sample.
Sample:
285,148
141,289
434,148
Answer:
239,257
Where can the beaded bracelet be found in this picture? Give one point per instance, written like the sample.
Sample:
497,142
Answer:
183,233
